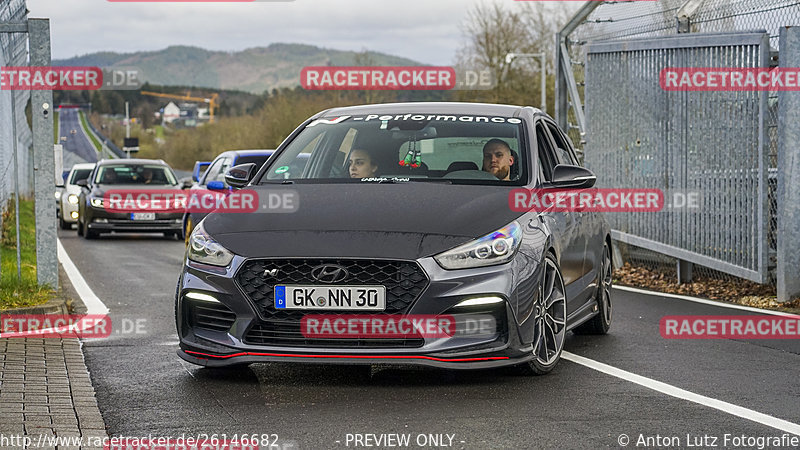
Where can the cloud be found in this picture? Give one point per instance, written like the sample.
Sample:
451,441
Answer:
424,30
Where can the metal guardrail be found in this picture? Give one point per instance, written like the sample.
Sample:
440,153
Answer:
106,141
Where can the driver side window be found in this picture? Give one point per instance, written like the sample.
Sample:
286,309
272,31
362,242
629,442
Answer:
564,149
213,172
547,156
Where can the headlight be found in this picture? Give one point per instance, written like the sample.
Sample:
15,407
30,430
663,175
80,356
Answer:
74,199
494,248
97,202
204,249
58,195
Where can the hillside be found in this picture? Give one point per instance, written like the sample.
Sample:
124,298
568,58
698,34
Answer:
253,70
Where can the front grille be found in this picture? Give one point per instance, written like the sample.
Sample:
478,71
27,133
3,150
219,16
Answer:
404,282
286,333
141,222
211,316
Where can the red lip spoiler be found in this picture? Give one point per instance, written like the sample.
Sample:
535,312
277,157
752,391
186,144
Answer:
233,355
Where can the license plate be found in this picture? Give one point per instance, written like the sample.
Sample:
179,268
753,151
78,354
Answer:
143,216
350,298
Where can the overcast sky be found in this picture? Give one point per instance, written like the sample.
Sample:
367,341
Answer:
428,31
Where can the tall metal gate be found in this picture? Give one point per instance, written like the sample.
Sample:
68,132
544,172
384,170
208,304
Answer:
713,143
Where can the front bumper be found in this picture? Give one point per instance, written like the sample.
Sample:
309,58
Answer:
99,219
225,342
67,209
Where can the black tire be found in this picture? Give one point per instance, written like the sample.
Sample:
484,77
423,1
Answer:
80,228
601,322
171,234
88,233
550,322
63,224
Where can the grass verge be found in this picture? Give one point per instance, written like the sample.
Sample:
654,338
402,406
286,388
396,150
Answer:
89,133
13,292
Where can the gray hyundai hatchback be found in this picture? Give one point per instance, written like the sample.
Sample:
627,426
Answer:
403,247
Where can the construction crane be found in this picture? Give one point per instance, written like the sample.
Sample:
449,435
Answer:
212,101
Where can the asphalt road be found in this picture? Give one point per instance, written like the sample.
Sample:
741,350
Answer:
77,147
143,388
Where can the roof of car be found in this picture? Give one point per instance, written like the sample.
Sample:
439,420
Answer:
134,161
250,152
83,166
428,107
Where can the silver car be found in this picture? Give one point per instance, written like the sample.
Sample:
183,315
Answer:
68,211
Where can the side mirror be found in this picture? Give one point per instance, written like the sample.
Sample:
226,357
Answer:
239,176
215,185
187,184
82,183
574,177
199,169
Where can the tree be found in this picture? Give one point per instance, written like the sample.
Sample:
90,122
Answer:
494,30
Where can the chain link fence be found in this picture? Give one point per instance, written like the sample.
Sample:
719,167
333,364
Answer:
14,52
627,20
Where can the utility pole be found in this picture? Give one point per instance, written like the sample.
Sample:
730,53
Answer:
127,126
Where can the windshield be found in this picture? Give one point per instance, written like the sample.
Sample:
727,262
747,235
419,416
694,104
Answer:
144,174
405,147
258,160
79,174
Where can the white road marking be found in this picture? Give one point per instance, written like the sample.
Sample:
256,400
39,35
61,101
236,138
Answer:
93,303
683,394
705,301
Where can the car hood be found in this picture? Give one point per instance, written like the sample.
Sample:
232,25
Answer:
99,190
72,189
401,220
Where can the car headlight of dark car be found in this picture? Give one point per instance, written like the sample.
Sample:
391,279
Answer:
496,247
97,202
204,249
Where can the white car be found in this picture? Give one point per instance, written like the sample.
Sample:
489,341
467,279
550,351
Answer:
69,197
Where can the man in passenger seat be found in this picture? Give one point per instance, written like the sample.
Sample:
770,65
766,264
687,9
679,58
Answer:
498,159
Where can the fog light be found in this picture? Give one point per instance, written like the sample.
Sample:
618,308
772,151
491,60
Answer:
201,296
100,220
74,214
481,301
